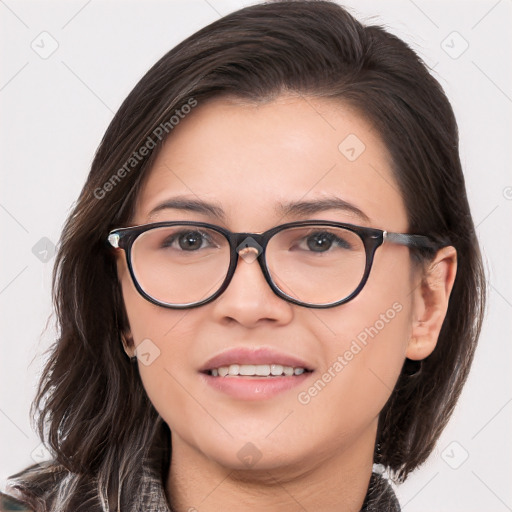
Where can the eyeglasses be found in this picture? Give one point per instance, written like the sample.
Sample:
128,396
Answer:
316,264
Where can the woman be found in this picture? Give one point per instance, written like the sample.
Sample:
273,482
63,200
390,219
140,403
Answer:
270,282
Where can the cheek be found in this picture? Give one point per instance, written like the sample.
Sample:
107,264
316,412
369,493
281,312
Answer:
365,342
364,361
153,330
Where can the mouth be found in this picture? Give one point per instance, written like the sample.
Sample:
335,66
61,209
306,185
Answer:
254,374
270,370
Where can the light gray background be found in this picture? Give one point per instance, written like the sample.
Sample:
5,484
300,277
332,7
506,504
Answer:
55,110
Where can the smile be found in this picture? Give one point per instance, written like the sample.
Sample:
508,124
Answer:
256,370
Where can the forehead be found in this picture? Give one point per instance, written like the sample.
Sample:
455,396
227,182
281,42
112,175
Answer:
249,159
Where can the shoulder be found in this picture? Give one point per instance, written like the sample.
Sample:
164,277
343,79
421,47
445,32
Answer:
35,487
50,487
381,496
10,503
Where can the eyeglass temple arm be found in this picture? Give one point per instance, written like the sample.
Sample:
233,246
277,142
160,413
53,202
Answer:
419,241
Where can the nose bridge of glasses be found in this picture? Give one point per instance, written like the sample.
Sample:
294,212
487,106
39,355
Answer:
248,248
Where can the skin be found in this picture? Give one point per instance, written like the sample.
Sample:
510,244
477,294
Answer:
246,158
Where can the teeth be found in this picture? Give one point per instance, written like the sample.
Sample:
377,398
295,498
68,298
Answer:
256,370
276,369
263,370
247,369
234,369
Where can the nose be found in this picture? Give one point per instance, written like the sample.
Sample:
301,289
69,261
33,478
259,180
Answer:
249,300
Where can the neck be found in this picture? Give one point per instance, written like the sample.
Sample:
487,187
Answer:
334,481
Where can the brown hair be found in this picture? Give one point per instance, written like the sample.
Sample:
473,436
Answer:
94,412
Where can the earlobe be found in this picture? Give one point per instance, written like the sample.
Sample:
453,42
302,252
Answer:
431,299
128,344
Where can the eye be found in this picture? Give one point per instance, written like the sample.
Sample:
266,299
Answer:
322,241
187,240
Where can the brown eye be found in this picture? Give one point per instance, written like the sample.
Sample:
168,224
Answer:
190,241
323,241
186,240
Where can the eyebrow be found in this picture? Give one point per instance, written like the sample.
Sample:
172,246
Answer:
306,208
297,208
190,205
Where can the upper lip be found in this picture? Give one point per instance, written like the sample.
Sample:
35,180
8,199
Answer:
244,355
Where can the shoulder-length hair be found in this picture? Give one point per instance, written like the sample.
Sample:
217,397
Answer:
92,409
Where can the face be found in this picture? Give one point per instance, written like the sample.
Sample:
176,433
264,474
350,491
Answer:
247,160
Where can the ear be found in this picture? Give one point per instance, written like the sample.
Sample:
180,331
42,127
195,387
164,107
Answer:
125,334
121,265
128,344
431,303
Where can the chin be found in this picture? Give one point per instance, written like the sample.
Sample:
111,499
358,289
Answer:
251,463
258,454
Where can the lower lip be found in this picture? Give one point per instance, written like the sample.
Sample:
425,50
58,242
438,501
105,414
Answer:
254,388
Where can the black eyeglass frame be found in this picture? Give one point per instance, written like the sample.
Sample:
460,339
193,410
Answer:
372,238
